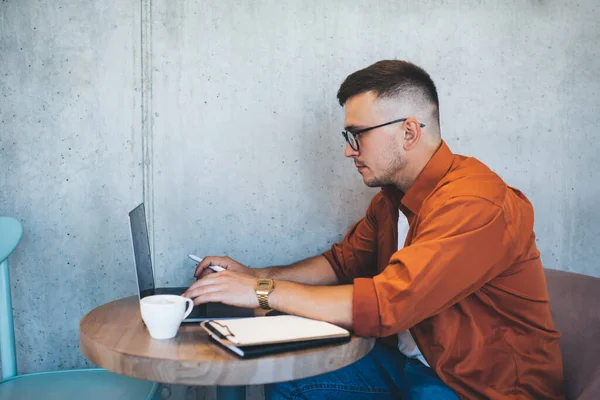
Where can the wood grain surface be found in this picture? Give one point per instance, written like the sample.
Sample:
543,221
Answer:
113,336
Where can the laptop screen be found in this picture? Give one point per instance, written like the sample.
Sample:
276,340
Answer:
141,249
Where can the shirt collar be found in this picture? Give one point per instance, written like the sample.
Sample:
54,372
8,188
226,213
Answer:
427,180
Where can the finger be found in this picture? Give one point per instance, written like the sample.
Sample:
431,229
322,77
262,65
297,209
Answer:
214,292
214,297
202,271
206,262
207,271
208,280
199,270
196,285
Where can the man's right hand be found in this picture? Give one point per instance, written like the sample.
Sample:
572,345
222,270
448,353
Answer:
225,262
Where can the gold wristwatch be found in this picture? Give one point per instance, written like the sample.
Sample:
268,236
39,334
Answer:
263,289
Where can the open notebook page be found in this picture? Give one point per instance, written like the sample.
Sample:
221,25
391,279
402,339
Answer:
276,329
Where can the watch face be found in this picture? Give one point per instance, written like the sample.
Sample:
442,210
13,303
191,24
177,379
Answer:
265,285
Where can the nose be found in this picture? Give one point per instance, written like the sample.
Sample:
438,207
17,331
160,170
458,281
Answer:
349,151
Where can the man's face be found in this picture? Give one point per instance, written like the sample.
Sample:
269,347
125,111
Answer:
380,158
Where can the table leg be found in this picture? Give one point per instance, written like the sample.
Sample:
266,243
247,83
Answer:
231,392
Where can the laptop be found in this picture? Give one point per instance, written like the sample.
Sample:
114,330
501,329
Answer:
145,276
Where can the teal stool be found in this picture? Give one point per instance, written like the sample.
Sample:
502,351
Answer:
87,384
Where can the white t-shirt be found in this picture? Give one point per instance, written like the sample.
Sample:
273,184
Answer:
406,343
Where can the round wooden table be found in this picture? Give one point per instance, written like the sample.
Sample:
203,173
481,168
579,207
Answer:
113,336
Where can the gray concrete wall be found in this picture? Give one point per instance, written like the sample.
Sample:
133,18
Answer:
221,116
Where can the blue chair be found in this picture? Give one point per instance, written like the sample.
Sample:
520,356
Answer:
87,384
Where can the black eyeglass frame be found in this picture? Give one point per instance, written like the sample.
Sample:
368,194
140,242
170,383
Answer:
354,135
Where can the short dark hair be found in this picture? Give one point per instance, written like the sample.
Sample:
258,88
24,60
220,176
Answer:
389,78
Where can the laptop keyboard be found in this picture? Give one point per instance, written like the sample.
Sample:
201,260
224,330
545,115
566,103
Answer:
175,291
210,310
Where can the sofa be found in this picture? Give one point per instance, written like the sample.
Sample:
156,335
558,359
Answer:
575,307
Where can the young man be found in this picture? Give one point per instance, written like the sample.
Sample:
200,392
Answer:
443,268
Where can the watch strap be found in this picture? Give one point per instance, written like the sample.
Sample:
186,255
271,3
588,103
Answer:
263,301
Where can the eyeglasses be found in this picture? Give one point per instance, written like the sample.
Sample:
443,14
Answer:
352,137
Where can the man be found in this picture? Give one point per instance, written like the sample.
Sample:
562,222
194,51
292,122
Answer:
443,268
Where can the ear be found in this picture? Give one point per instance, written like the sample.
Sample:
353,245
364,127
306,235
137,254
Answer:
412,133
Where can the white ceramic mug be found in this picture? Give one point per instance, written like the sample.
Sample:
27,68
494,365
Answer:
163,313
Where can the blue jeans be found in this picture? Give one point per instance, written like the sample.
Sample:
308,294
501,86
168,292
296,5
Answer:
384,373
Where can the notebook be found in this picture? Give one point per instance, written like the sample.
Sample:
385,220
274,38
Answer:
258,336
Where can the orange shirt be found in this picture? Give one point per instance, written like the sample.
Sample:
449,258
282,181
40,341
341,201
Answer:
469,283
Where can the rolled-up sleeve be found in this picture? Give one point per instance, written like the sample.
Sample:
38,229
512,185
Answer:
457,248
356,255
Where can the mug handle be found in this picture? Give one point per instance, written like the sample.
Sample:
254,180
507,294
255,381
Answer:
189,309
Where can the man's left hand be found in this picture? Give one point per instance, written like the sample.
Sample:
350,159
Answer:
227,287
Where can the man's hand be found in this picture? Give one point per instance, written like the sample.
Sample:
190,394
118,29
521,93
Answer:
227,287
225,262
